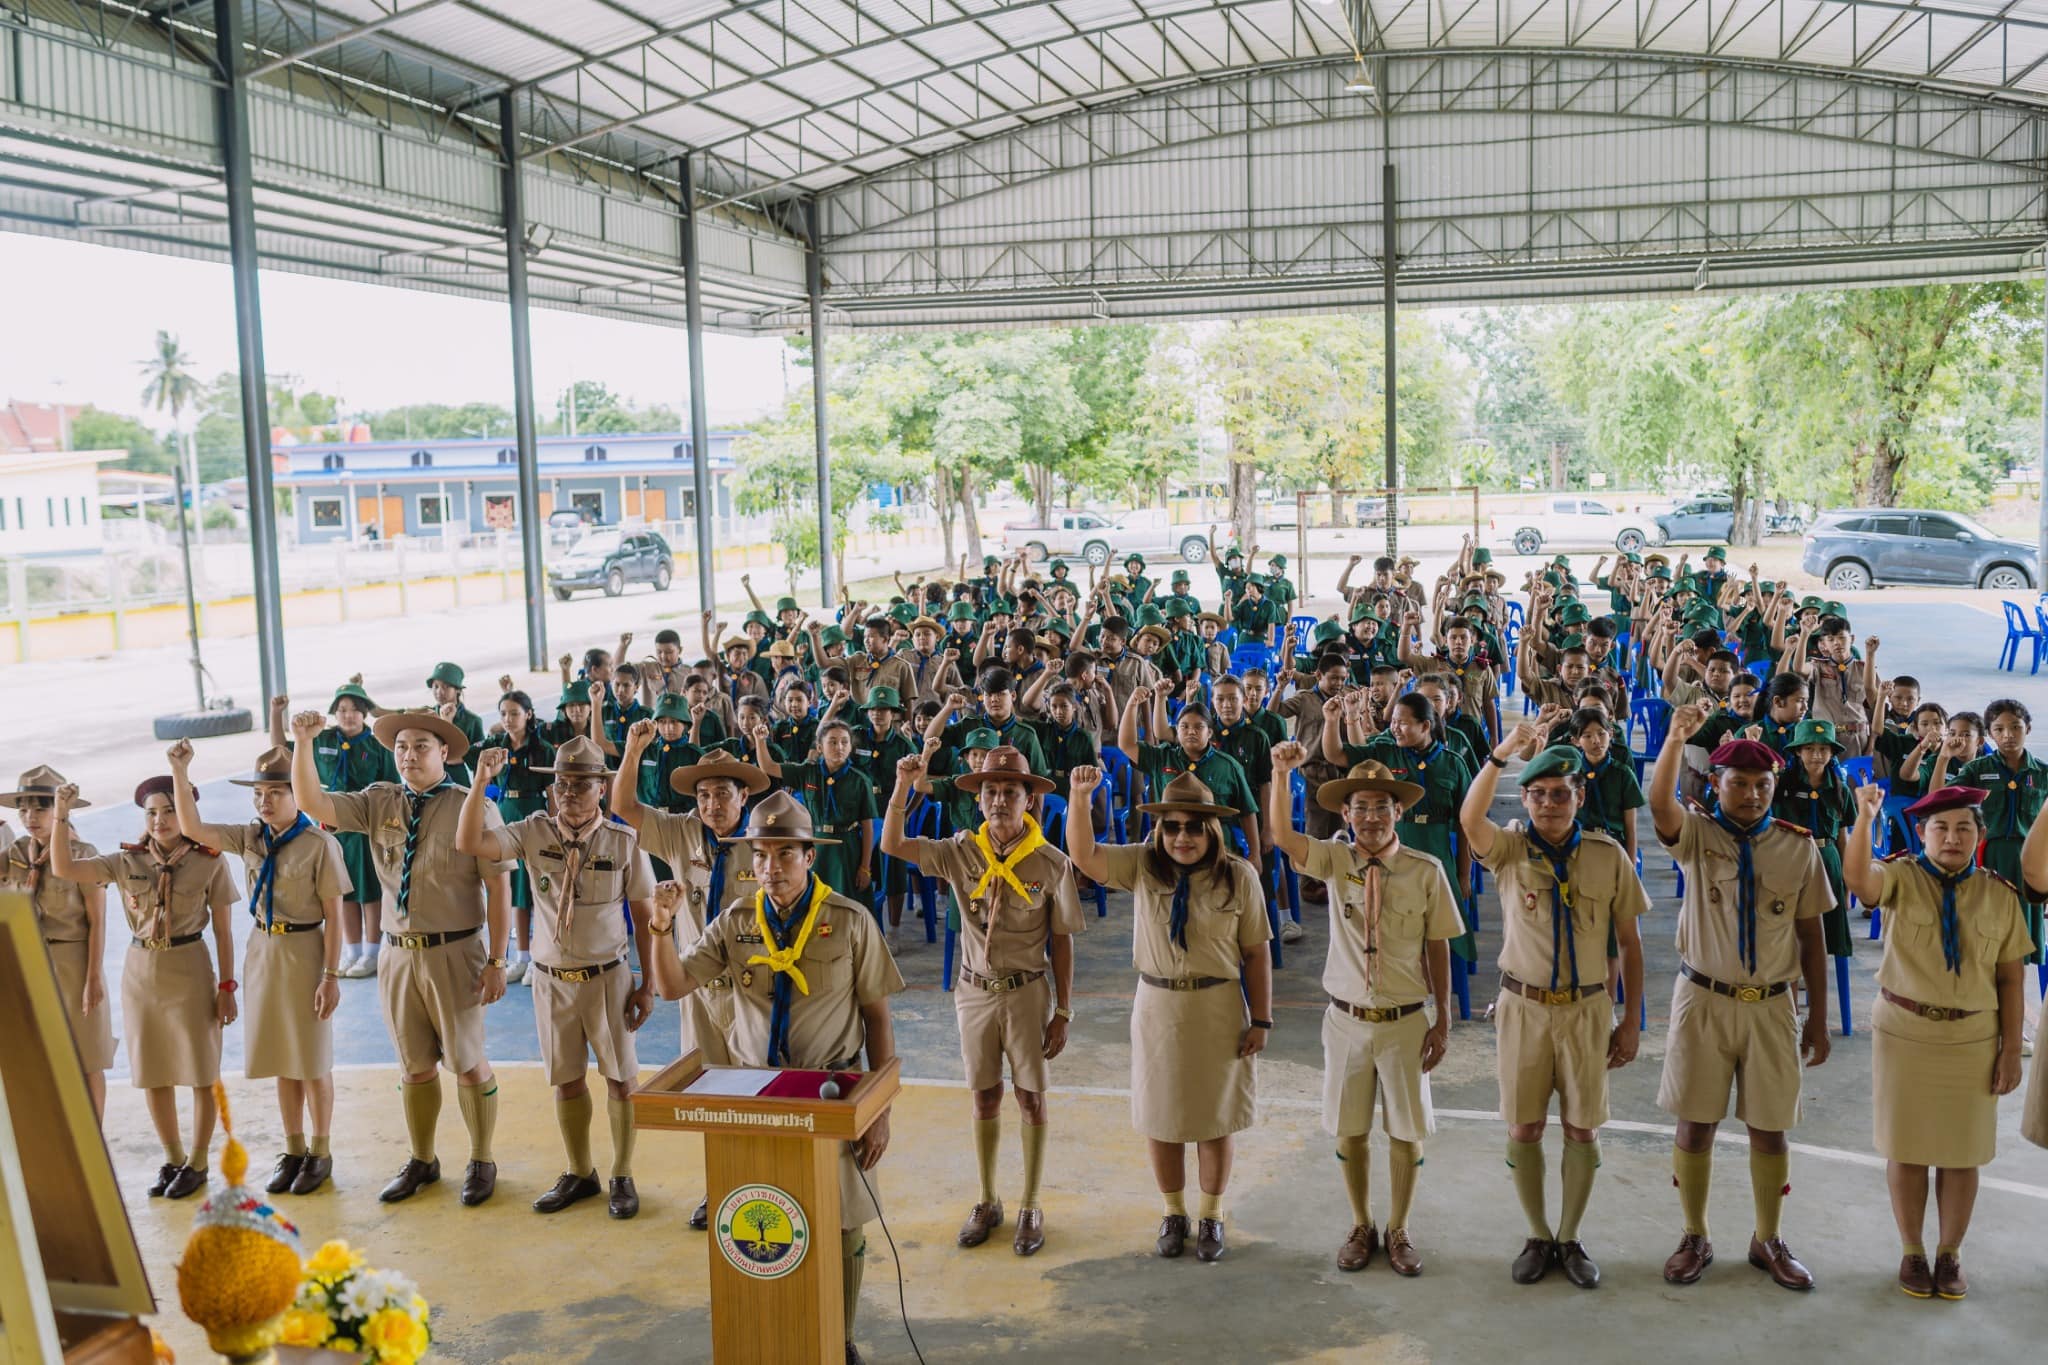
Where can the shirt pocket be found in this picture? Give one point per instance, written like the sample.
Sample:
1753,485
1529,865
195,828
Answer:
600,886
1401,928
1914,926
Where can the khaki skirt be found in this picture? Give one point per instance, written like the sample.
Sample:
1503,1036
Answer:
1187,1082
2034,1118
167,1012
280,1032
94,1032
1930,1088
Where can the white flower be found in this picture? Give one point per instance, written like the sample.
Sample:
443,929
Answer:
399,1290
362,1296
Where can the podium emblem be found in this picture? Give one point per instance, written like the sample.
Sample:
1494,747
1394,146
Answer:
762,1232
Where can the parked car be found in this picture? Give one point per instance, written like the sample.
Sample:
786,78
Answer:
1871,547
1373,512
564,524
1568,522
609,558
1698,521
1098,537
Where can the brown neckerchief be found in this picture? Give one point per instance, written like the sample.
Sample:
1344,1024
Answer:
166,869
34,862
1375,886
572,867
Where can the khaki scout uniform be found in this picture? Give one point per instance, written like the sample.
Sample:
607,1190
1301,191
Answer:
282,967
1561,1047
1839,696
1386,979
1187,1082
61,918
846,965
1005,995
1125,676
916,677
582,981
429,991
680,841
1930,1078
168,990
1744,1029
1305,708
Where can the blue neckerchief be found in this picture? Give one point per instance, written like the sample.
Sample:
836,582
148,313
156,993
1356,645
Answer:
1951,923
1420,759
1563,937
1177,924
829,791
1594,800
1745,884
717,848
264,887
784,926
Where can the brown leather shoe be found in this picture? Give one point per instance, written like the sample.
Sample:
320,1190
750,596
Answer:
285,1171
1173,1235
480,1182
1948,1276
982,1219
1030,1231
625,1198
1915,1278
164,1175
186,1183
413,1177
1537,1256
1357,1251
313,1173
1695,1253
568,1189
1777,1258
1578,1265
1209,1239
1401,1253
700,1218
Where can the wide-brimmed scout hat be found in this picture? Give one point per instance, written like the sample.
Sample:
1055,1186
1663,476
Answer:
1005,764
782,819
40,781
1160,633
782,649
391,722
918,623
1367,777
1188,794
580,757
272,765
718,763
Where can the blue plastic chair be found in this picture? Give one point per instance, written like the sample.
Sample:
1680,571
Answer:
1762,669
1303,626
1249,655
1860,772
2017,632
1122,778
1653,714
1515,620
1054,827
1842,991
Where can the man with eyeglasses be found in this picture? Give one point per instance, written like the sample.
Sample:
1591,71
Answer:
1392,917
1561,888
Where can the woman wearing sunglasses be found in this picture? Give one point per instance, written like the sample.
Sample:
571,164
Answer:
1199,928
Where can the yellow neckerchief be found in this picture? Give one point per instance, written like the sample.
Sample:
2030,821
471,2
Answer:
779,959
1006,868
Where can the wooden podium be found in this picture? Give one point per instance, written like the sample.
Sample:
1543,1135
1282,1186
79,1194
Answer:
771,1166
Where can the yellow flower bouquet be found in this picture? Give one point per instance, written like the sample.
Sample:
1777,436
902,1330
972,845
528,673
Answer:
345,1306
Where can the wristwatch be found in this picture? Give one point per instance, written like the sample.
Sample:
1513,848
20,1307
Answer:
1497,761
1063,1012
1262,1023
497,962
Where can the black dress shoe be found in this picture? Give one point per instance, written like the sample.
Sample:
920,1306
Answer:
852,1356
700,1218
1579,1267
1209,1239
569,1189
313,1173
1173,1235
480,1182
625,1200
186,1183
285,1172
164,1175
413,1177
1538,1255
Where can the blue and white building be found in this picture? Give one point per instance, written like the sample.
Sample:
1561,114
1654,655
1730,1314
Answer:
354,490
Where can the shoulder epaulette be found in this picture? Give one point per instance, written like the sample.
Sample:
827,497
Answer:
1996,877
1796,829
204,851
142,847
1905,853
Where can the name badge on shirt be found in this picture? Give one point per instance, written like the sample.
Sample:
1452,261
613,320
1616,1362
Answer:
746,938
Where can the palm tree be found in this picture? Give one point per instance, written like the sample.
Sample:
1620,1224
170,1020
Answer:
171,385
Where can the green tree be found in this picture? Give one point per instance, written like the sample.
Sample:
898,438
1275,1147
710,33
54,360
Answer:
95,429
169,386
1528,431
778,475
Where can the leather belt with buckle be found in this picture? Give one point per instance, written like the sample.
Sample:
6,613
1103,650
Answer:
999,985
158,945
1749,995
285,926
419,941
1940,1014
1384,1015
1570,995
576,976
1183,983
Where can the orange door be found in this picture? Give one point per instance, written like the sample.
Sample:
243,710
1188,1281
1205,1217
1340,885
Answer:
547,505
632,502
394,518
657,504
366,514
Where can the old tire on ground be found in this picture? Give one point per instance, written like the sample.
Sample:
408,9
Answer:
226,720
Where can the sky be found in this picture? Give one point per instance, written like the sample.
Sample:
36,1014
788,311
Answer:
80,319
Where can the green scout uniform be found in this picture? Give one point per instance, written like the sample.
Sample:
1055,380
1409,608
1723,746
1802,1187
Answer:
1254,620
840,803
1186,653
1894,741
1222,774
1823,810
521,792
657,761
2014,800
961,810
1015,731
1724,724
348,765
1461,724
795,739
1279,588
1611,791
472,728
1271,726
1066,748
1365,658
1247,743
1427,825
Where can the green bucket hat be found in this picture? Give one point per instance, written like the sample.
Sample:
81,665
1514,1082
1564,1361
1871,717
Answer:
884,699
1056,566
1574,614
905,612
1181,576
989,561
963,610
1363,610
1149,615
1473,599
1814,732
1661,572
1811,603
981,739
1631,557
1561,561
783,604
1559,760
1327,632
351,690
1834,609
1279,562
576,693
1719,552
1136,559
1572,642
671,706
831,635
761,618
1482,555
447,673
1177,607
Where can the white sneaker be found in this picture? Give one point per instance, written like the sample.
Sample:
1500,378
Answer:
1290,932
515,970
364,966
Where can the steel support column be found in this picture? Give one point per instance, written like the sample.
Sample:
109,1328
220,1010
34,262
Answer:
700,422
530,518
232,120
2041,464
1392,372
814,276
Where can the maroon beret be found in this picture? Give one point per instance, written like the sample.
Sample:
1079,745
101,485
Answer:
1946,798
157,786
1747,753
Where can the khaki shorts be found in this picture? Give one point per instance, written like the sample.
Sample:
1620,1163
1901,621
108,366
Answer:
999,1025
1546,1050
1715,1041
430,1004
577,1020
1361,1060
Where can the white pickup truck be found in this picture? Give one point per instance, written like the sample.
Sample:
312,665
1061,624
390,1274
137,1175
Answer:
1575,523
1097,537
